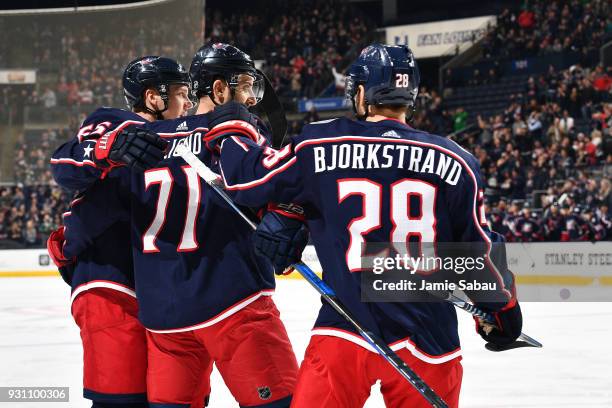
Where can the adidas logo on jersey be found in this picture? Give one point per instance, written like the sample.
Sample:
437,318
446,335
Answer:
182,127
391,133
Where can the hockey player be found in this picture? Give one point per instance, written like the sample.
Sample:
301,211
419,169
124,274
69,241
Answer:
93,251
200,284
372,180
527,227
554,222
578,226
510,219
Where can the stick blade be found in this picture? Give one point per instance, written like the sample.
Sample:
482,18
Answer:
516,344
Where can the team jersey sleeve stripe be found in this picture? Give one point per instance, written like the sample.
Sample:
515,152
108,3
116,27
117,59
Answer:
239,143
73,162
259,181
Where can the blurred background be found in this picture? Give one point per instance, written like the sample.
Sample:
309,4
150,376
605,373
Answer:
524,85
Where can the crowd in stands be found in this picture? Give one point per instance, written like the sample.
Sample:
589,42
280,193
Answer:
545,175
80,60
79,63
28,213
536,150
32,207
542,27
543,157
303,43
538,28
310,41
31,161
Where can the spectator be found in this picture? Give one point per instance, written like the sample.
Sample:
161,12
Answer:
566,124
296,83
534,125
602,81
339,80
526,19
30,235
49,99
460,119
85,94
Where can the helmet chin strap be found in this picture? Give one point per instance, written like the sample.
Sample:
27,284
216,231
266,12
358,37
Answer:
158,114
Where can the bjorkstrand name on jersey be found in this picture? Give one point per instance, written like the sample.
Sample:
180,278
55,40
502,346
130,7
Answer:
408,285
384,156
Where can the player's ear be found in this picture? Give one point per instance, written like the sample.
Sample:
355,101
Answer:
360,105
219,91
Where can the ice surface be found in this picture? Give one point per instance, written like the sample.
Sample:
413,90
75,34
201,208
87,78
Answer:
40,346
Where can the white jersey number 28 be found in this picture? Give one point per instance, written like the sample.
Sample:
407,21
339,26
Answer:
404,226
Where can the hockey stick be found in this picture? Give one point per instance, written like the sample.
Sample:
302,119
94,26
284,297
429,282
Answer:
324,290
522,341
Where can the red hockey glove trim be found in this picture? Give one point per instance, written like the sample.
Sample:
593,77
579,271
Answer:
103,148
288,210
213,138
55,248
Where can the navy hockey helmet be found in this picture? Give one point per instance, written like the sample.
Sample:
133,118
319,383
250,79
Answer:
389,74
220,60
152,72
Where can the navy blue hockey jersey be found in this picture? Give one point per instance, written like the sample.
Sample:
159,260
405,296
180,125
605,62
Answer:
357,182
193,257
97,232
193,261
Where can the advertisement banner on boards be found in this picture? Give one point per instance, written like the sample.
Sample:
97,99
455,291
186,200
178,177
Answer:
437,38
17,76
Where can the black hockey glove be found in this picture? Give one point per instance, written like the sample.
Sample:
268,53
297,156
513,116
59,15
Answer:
509,323
231,119
281,237
137,148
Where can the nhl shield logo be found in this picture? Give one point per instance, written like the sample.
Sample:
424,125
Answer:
264,392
